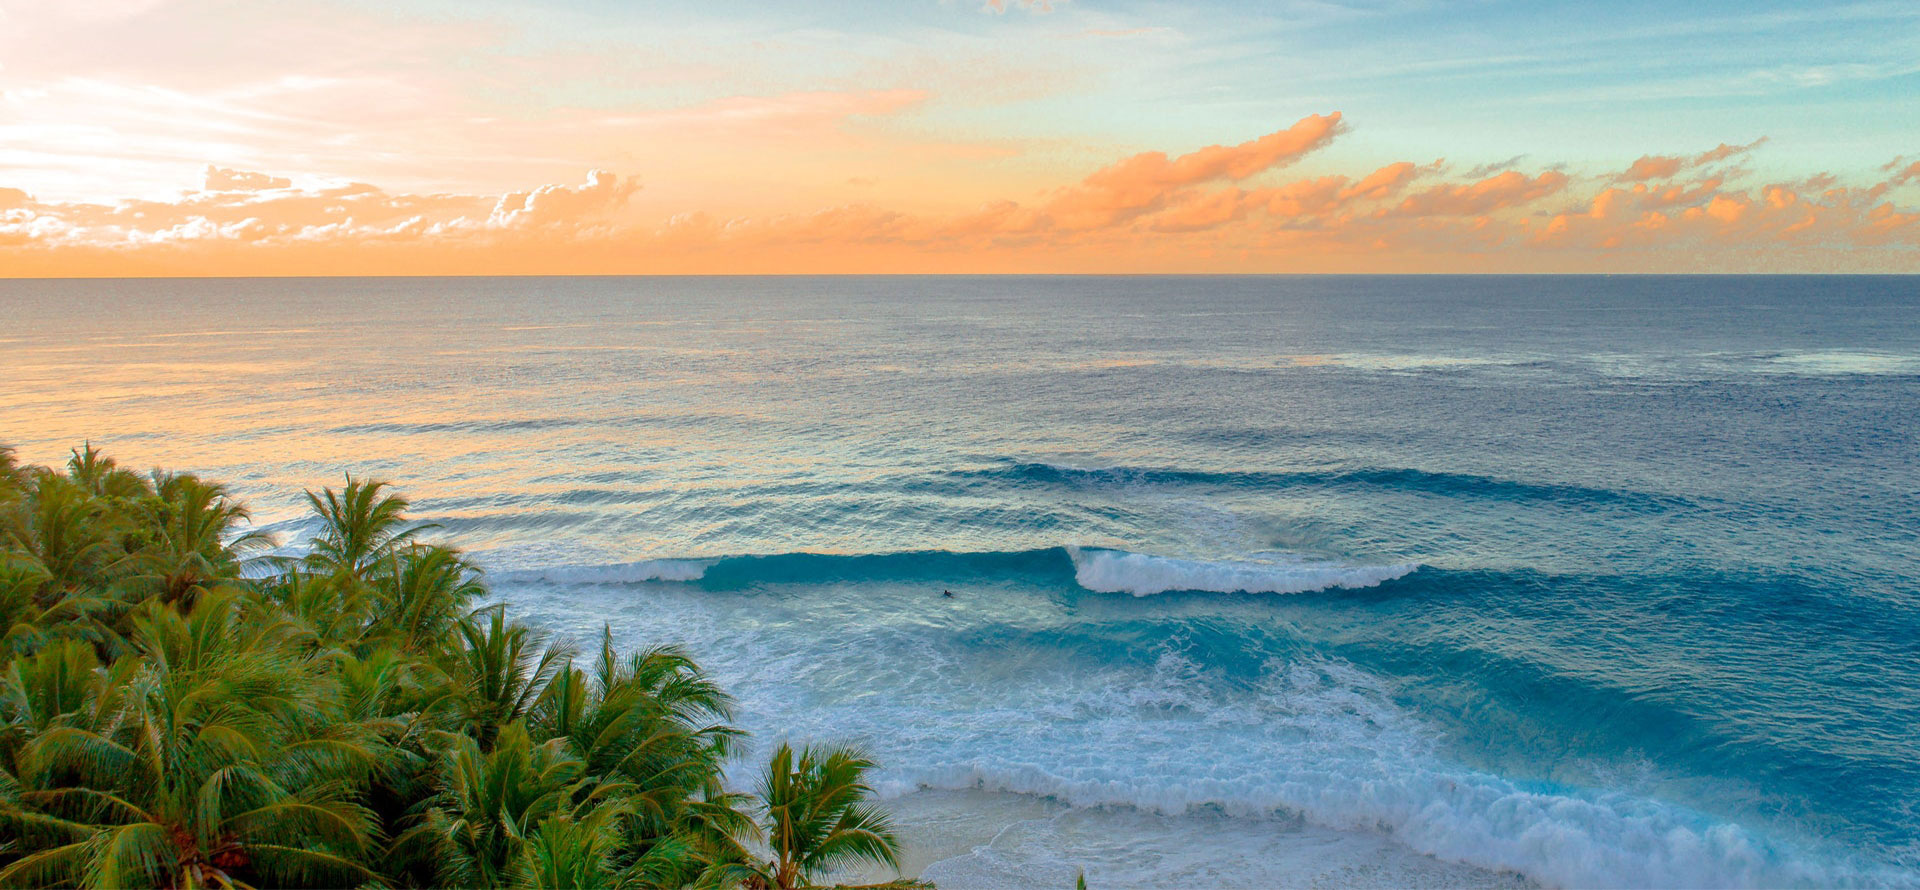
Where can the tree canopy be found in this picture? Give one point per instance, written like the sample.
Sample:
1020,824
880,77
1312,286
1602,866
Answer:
184,705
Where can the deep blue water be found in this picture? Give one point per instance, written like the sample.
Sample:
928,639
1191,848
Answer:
1605,581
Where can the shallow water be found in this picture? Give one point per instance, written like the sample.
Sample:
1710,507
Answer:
1355,581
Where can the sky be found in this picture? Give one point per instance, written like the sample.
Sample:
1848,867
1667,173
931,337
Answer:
180,137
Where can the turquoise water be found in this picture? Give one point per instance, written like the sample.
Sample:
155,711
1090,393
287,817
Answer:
1600,581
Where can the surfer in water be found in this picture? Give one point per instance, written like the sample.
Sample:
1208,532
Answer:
946,594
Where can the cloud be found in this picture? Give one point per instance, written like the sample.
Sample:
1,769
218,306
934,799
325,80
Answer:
1485,170
1903,175
1669,166
1226,162
1382,183
1151,180
1217,208
559,205
1499,192
267,213
221,179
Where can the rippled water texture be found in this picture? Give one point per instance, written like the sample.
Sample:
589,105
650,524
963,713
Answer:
1599,581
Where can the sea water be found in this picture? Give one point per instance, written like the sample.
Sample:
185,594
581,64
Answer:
1256,581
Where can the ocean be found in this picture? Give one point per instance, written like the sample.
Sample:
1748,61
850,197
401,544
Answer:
1257,581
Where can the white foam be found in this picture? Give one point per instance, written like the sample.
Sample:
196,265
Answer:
1127,848
1355,762
616,573
1837,362
1311,740
1115,571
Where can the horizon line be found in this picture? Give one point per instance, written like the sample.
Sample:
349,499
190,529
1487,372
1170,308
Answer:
5,279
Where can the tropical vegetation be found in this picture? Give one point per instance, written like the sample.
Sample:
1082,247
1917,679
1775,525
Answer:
184,704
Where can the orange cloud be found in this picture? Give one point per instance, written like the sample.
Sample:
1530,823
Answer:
1904,175
220,179
1383,182
1148,181
1219,208
559,205
267,212
1668,166
1509,189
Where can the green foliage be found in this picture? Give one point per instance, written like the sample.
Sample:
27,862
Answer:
179,710
816,815
363,527
489,802
191,538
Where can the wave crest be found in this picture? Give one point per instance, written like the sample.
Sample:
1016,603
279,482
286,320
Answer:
617,573
1116,571
1096,570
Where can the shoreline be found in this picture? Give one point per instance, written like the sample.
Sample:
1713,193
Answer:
967,839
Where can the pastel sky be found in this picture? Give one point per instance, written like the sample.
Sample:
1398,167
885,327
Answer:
251,137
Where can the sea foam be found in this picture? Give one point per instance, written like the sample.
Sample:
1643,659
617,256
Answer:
1353,760
1115,571
946,704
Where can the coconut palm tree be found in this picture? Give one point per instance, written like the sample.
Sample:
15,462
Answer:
166,722
190,537
360,527
41,691
12,477
488,802
498,669
654,717
656,724
817,818
564,853
325,612
70,532
30,616
22,619
187,765
102,476
423,591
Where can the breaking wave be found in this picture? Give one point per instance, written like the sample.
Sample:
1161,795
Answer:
1093,569
1114,571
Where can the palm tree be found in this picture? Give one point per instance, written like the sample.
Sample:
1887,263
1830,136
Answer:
165,721
102,476
39,691
657,725
499,670
11,476
70,532
654,718
328,612
185,766
817,818
489,802
564,853
420,595
22,618
189,527
360,527
30,617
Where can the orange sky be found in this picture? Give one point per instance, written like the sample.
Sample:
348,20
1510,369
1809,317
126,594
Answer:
899,166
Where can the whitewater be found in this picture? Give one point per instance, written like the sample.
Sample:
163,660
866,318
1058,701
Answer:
1337,582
